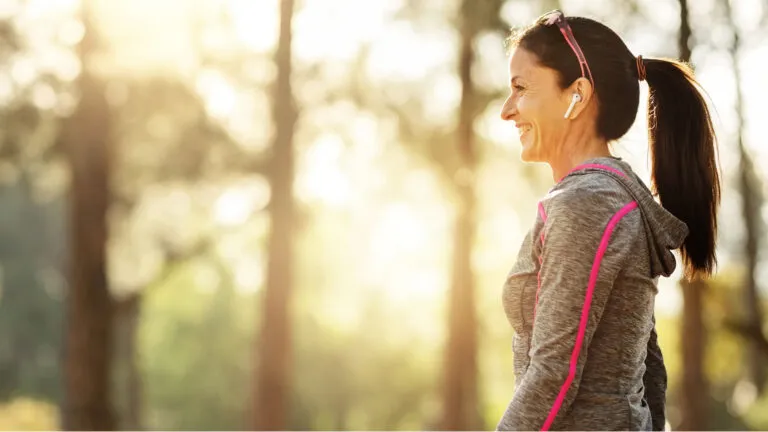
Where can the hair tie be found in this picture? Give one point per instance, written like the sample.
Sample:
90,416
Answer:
640,68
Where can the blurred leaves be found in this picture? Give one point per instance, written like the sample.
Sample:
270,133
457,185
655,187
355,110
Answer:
32,256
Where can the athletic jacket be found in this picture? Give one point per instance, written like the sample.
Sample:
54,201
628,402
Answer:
580,298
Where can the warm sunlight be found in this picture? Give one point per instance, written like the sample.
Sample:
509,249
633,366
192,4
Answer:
335,29
233,207
255,22
399,51
373,258
409,53
161,46
323,178
219,94
401,258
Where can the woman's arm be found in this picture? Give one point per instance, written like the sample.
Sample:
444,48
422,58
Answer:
585,246
655,381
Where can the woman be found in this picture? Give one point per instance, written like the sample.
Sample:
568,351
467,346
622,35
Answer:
581,295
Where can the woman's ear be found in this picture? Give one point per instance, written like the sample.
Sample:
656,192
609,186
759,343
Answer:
583,88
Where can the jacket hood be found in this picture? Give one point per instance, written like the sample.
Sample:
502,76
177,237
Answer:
664,231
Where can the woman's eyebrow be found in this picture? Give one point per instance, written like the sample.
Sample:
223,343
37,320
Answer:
514,79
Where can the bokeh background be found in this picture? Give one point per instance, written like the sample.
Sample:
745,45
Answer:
279,214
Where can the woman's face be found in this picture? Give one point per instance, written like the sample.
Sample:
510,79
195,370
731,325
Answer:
537,105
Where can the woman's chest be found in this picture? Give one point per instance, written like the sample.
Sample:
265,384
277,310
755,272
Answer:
521,286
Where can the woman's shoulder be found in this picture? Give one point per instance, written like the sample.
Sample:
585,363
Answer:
590,193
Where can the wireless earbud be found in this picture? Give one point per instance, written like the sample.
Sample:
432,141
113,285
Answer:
576,98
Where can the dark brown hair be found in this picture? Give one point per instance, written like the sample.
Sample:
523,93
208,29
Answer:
682,139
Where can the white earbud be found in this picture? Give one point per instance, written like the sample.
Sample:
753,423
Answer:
576,98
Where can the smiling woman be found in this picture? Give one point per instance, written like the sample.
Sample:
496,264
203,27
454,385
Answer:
538,106
586,278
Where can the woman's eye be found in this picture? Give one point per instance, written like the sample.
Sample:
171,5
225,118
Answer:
518,87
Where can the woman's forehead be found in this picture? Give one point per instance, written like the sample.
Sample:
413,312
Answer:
523,63
526,65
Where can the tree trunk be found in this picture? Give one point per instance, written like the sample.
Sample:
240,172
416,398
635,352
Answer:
684,37
460,401
273,386
749,188
695,389
129,382
88,351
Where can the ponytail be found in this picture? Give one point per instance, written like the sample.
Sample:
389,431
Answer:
684,154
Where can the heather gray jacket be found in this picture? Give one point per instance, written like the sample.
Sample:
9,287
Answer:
580,299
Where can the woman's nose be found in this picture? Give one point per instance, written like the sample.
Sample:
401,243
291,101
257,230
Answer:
508,110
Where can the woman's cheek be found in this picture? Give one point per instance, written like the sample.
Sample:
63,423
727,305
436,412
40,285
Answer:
527,107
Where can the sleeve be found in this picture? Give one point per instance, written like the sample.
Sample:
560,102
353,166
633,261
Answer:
584,249
655,381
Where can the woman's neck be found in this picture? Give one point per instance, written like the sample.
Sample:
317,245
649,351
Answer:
568,160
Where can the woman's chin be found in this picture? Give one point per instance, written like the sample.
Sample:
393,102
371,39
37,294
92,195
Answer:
528,154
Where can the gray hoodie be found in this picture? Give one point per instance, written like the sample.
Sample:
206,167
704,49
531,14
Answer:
580,298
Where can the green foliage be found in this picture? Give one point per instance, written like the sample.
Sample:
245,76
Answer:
364,379
730,402
31,294
195,344
756,417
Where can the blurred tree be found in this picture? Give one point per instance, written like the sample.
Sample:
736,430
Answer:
457,167
161,133
460,384
32,232
128,380
129,388
695,388
724,350
164,137
272,386
88,346
749,186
